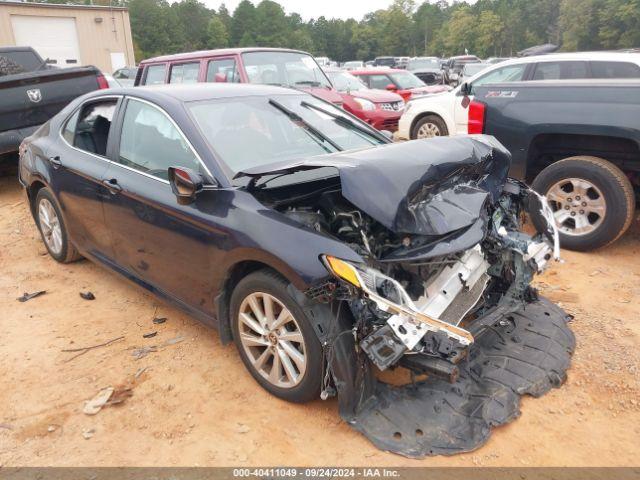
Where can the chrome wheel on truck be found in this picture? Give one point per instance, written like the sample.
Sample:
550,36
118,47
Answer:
592,199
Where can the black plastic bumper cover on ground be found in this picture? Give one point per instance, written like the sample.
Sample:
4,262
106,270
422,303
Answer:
527,352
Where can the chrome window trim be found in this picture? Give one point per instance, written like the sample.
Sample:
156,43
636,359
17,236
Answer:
184,137
111,162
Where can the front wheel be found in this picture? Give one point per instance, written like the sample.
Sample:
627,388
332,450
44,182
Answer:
275,339
592,200
429,126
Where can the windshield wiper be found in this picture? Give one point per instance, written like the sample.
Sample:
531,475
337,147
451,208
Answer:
313,83
306,125
343,120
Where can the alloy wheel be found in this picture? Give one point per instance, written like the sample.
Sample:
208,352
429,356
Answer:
579,206
272,340
428,130
50,226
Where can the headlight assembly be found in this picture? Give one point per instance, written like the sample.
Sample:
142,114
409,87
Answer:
365,104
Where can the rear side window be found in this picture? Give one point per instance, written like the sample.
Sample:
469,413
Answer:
185,73
155,74
379,81
150,142
93,126
614,70
223,70
560,71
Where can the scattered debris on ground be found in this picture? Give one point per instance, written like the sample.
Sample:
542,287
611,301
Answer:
93,406
83,350
150,335
87,295
28,296
159,320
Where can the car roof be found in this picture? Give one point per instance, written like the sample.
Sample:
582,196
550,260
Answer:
196,92
218,52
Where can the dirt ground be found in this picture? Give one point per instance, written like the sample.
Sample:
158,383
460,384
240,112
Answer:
193,403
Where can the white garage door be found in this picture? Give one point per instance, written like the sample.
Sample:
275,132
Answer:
54,38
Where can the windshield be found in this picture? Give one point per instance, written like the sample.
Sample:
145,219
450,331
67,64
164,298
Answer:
345,82
424,63
291,69
406,80
247,132
355,64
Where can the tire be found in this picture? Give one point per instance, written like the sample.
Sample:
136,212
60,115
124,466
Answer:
437,125
46,202
609,187
306,386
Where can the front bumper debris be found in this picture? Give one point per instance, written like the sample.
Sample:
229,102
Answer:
524,352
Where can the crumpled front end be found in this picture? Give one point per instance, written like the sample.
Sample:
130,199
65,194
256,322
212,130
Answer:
444,291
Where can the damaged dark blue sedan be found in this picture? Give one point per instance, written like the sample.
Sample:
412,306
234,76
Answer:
324,251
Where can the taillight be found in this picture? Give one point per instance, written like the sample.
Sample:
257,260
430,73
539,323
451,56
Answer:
102,82
476,117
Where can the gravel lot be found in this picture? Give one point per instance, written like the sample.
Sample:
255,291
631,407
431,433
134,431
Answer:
193,403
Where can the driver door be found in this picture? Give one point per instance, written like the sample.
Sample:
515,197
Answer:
158,243
509,73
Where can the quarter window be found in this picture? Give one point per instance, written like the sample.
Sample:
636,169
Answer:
150,143
69,131
185,73
93,126
614,70
155,74
223,70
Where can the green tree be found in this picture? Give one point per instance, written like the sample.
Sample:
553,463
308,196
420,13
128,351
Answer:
461,33
489,31
217,33
243,24
271,25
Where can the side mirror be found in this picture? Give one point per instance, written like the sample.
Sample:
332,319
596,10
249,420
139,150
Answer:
220,78
391,87
185,183
465,88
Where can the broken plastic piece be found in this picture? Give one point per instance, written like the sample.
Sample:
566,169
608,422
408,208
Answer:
28,296
87,295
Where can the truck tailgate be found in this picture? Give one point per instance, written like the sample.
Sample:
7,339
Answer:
32,98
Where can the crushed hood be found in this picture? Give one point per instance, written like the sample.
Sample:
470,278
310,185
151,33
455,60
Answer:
425,187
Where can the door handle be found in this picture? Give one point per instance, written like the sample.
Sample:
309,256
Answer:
55,162
112,185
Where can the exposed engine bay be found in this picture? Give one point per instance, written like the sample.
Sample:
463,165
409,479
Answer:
444,284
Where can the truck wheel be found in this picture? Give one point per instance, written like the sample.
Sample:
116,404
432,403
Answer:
275,339
429,126
592,200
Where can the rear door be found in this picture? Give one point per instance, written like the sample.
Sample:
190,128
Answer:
79,163
163,245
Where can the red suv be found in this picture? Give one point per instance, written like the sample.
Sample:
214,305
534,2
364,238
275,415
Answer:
270,66
379,108
402,82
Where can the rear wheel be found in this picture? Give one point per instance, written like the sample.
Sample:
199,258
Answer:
53,229
275,339
429,126
592,200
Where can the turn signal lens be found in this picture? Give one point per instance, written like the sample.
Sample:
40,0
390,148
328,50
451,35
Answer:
343,270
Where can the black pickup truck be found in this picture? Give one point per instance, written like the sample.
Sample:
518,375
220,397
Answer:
577,142
31,92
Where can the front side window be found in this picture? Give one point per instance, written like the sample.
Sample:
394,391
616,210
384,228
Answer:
248,132
511,73
150,143
155,75
614,70
406,80
379,81
224,70
93,126
291,69
185,73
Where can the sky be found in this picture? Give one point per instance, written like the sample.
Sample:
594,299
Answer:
315,8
